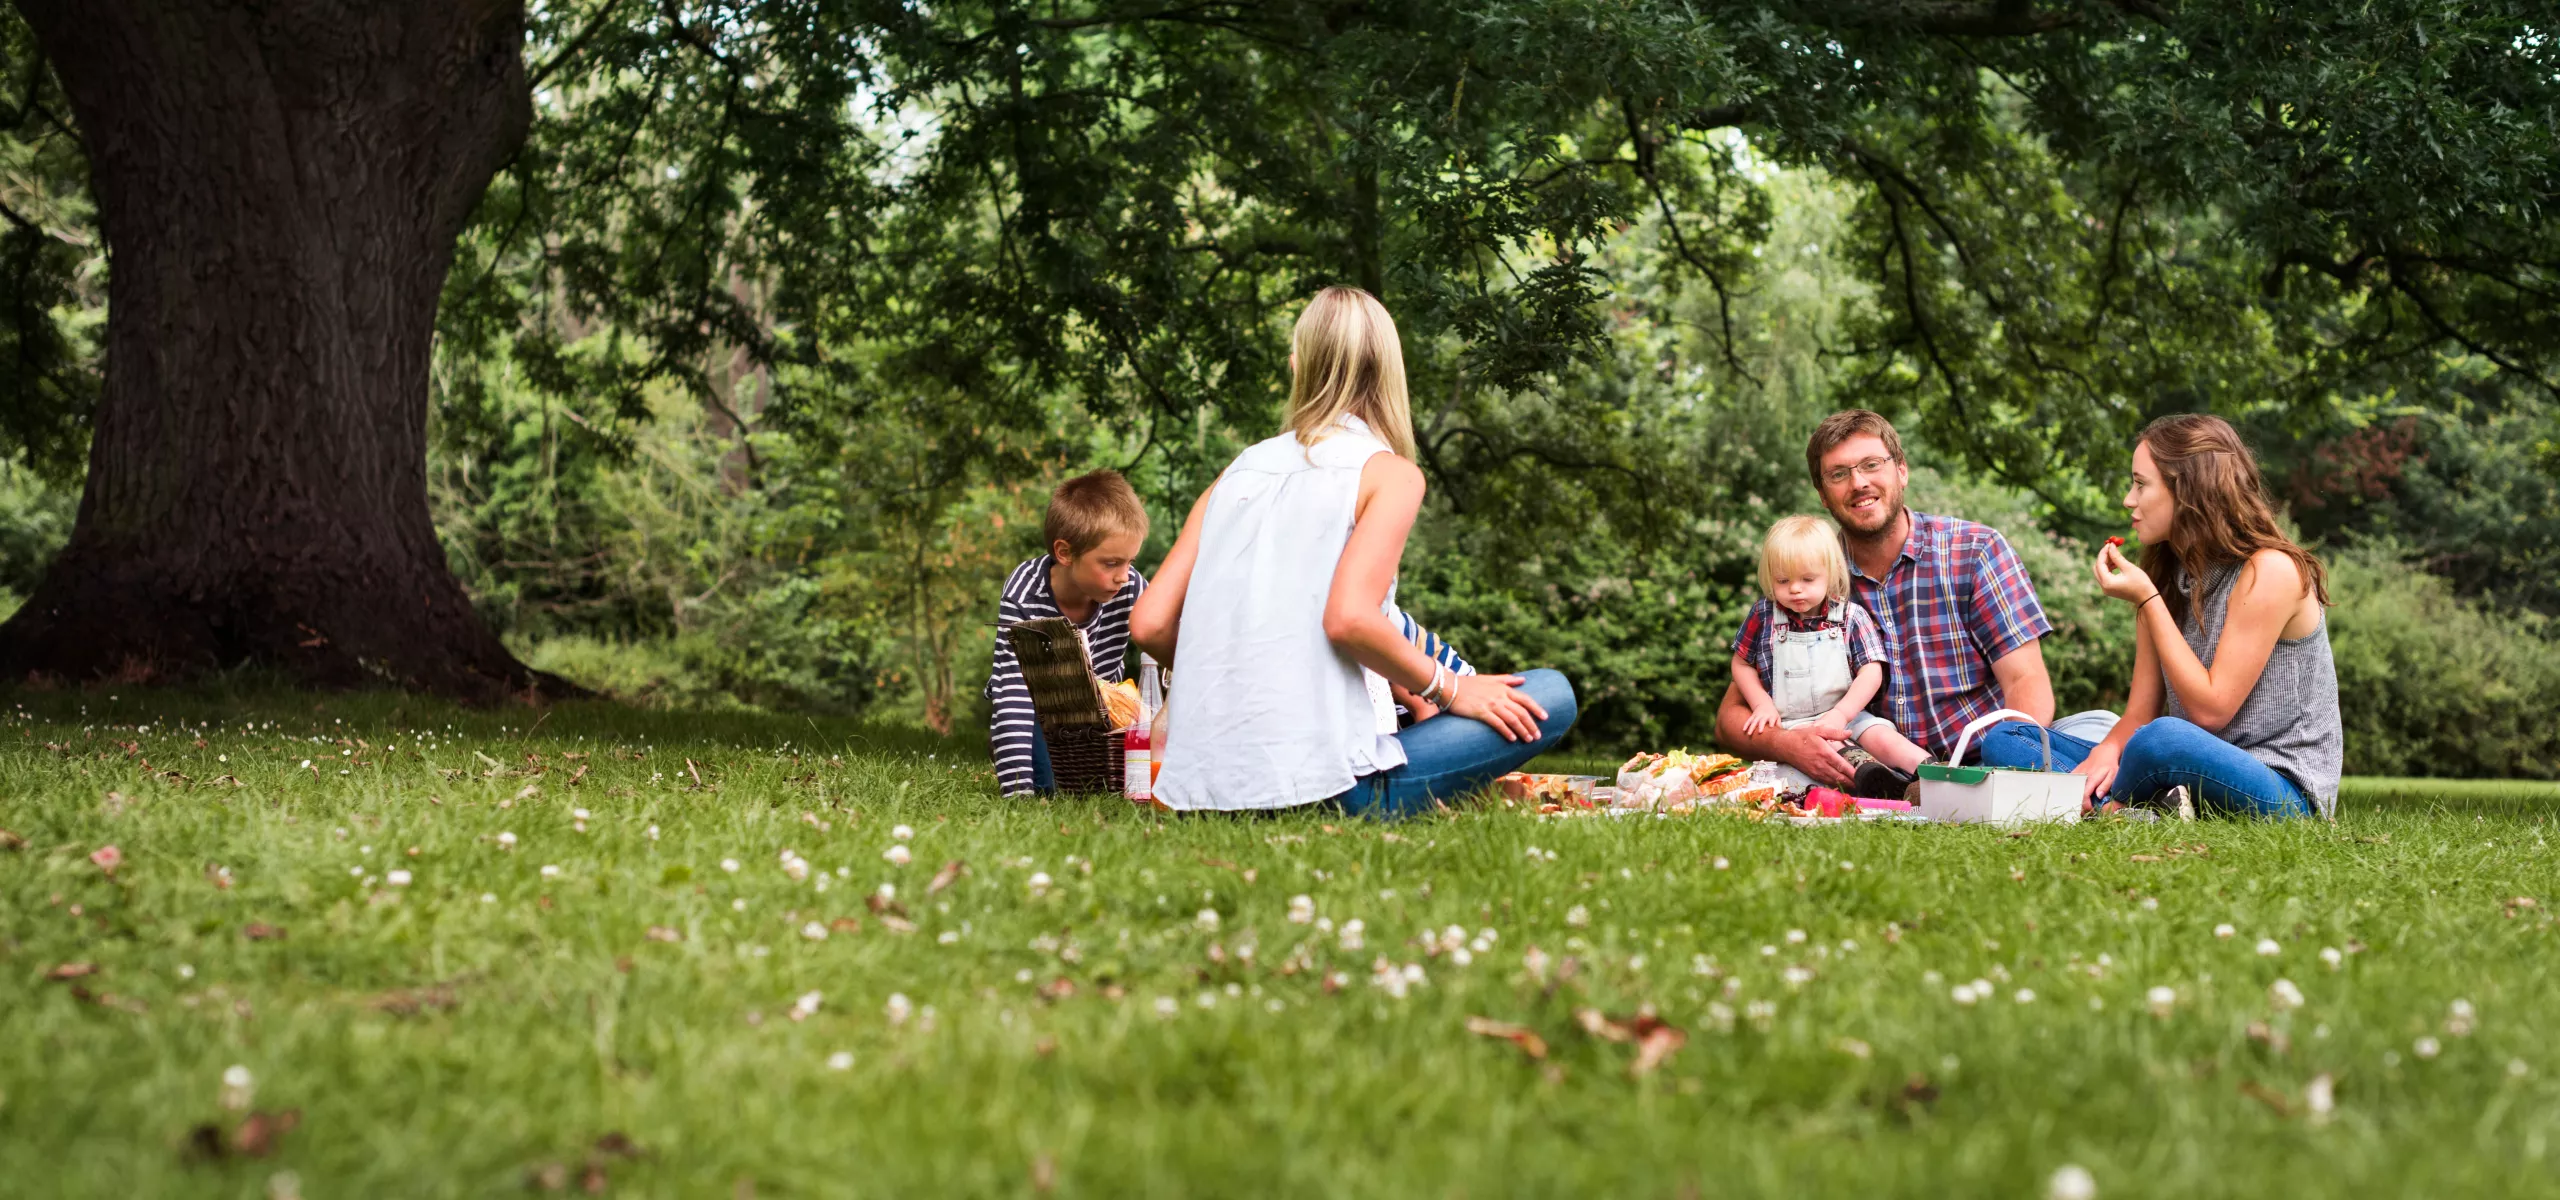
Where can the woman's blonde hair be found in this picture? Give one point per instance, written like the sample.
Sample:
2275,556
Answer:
1348,361
1800,542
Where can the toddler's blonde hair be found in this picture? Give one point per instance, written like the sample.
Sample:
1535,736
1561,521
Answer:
1801,542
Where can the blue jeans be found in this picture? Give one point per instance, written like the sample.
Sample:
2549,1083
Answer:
1449,756
2169,752
1044,778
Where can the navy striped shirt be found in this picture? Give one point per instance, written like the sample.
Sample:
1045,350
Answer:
1027,597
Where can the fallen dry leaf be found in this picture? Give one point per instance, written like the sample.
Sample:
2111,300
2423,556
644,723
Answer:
1045,1047
260,931
664,933
11,841
1044,1175
2267,1096
2146,858
1058,989
1518,1035
944,878
896,924
617,1144
257,1136
1656,1044
71,970
883,906
845,925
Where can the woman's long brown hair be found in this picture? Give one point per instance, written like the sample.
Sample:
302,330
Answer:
2222,514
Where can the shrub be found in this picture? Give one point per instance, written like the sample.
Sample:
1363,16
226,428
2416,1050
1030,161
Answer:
2431,684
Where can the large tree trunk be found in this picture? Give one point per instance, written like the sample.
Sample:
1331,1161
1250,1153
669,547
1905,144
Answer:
280,185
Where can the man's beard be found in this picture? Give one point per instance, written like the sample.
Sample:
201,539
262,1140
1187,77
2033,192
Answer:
1888,504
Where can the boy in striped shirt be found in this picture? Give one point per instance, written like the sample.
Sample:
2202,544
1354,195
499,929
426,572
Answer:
1094,528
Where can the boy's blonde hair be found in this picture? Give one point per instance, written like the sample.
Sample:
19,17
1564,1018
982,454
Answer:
1799,542
1090,507
1348,361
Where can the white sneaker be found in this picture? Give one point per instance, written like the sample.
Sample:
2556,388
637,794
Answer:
2184,804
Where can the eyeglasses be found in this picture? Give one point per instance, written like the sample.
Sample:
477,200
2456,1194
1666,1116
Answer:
1840,475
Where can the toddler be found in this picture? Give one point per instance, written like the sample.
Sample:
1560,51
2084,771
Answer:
1807,654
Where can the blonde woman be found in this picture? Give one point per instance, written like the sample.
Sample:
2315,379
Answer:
1273,609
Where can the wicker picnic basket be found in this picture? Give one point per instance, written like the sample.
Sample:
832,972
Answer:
1066,698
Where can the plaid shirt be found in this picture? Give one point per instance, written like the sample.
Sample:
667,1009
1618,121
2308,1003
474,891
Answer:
1955,602
1866,642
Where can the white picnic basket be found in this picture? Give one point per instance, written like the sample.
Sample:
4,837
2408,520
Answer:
1998,795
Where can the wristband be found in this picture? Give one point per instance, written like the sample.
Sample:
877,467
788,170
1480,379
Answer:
2148,599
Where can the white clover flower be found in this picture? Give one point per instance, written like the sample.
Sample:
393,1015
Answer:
1723,864
397,878
887,892
897,855
578,814
2283,995
806,1006
2151,904
948,937
1353,932
841,1060
1795,937
549,871
814,931
2426,1047
506,841
2457,1019
2267,948
488,897
738,905
2025,996
903,833
1039,883
2517,1069
238,1087
653,833
730,865
2162,999
2071,1181
1462,956
2331,956
1167,1007
1797,976
2224,930
899,1008
1207,920
1962,993
1577,916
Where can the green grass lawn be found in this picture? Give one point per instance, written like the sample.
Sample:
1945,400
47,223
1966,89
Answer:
1152,1021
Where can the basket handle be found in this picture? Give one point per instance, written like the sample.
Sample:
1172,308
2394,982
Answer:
1978,724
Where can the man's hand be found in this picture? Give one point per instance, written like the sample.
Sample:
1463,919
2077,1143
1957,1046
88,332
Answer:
1762,719
1807,748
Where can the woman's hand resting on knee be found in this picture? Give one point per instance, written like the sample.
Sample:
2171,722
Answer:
1498,701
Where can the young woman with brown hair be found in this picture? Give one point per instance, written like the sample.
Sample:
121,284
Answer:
2234,696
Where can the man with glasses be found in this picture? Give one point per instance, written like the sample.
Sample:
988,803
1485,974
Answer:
1960,618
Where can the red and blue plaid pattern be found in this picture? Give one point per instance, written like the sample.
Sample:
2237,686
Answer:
1955,602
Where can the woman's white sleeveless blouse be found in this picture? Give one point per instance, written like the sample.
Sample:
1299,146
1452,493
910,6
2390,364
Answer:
1265,711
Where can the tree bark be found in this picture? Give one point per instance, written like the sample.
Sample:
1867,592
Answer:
280,185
